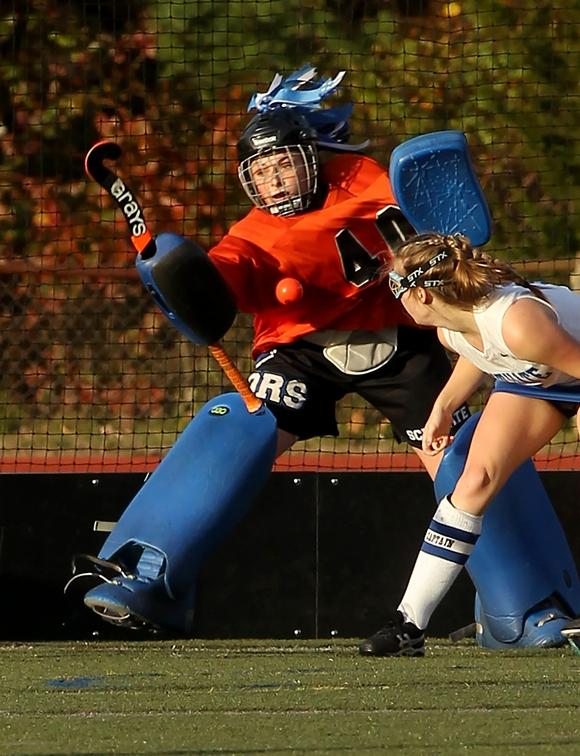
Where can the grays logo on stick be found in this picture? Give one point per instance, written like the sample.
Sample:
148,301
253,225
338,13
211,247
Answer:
130,208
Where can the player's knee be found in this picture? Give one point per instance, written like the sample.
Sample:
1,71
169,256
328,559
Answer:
477,482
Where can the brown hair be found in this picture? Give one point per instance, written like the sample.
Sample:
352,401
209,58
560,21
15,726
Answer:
471,275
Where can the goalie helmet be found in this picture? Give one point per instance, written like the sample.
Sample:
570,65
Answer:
278,161
290,127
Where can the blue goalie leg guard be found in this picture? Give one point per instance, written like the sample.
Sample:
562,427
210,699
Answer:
200,490
522,568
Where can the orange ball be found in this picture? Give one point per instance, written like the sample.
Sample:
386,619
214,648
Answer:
289,290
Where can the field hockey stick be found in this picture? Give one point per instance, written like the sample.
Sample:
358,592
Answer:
145,245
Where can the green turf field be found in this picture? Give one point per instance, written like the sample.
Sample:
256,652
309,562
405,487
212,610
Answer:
284,697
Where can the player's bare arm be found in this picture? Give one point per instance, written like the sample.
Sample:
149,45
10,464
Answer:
463,382
532,332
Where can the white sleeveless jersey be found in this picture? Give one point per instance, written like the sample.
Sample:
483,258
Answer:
497,359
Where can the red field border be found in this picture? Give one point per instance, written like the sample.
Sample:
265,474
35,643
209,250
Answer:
17,463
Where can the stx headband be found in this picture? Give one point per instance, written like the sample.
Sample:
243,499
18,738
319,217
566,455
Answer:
400,284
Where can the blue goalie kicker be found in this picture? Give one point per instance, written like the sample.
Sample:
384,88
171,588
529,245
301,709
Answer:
296,166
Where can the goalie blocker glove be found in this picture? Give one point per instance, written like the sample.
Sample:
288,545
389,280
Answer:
188,288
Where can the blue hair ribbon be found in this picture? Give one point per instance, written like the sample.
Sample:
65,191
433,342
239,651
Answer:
304,91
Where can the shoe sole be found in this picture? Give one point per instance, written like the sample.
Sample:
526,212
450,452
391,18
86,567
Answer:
120,616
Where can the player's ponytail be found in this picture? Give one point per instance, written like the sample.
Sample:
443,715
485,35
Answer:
469,274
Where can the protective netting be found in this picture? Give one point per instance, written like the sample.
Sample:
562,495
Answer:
92,376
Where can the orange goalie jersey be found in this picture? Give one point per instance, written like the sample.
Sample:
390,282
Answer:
334,251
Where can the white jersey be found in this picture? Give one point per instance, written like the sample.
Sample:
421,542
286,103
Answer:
497,359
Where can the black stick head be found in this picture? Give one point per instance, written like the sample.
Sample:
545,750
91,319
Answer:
119,192
94,165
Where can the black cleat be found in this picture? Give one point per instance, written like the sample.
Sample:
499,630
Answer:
397,638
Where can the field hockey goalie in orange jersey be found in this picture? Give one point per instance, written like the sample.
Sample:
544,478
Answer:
333,248
325,218
304,261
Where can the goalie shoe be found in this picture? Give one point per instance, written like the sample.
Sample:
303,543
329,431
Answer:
543,627
127,600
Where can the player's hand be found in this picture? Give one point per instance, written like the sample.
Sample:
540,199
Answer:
437,445
436,431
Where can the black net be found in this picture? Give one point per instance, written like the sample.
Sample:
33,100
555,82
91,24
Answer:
92,376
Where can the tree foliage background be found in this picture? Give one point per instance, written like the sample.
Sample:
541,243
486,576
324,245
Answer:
86,363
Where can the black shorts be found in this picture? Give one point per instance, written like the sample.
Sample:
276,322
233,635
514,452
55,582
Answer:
301,387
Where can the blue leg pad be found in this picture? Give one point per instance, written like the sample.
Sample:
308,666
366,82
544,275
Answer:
522,564
199,492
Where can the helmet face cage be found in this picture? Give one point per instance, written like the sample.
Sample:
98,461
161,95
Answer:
297,182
